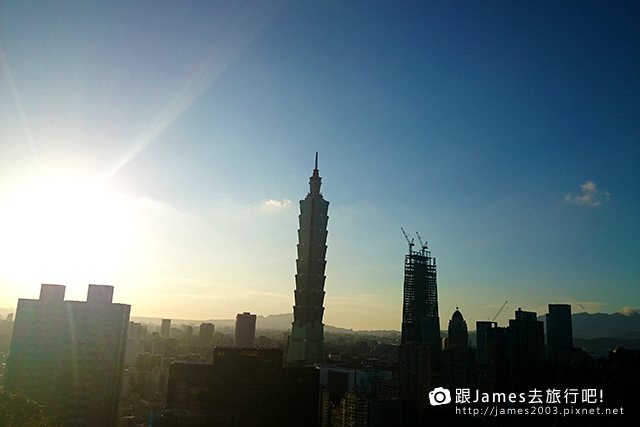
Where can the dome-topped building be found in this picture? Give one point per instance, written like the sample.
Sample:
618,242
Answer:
458,333
458,359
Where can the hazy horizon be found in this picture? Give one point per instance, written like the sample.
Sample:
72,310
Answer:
177,321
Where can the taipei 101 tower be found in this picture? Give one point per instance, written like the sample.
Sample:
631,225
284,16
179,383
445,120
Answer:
307,334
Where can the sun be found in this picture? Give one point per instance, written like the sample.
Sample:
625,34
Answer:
62,230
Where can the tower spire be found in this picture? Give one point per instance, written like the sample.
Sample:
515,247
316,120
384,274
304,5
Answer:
315,181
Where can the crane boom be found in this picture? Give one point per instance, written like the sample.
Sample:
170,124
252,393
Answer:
410,242
499,311
422,245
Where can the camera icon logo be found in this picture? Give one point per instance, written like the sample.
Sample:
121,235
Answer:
439,396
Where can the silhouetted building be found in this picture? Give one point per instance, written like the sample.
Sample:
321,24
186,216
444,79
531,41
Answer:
458,333
527,348
68,355
622,377
498,359
559,328
482,327
165,328
187,337
245,333
420,319
419,355
206,333
190,386
414,375
307,333
458,367
458,359
248,385
337,381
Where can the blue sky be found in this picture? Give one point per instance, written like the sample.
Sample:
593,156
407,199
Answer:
162,147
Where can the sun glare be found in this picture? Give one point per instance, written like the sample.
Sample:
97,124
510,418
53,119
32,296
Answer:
62,231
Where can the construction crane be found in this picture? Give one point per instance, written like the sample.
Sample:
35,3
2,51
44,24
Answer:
499,311
410,242
423,246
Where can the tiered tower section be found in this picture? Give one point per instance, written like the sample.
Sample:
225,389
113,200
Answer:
307,334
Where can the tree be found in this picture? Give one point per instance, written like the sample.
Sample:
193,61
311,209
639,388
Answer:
19,411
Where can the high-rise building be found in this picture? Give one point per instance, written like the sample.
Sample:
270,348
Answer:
559,327
188,334
482,328
419,354
206,334
458,359
498,359
250,386
245,333
420,320
458,332
165,328
307,333
414,377
527,348
458,367
560,349
69,355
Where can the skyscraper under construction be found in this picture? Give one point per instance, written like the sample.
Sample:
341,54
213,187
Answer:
419,352
307,334
420,320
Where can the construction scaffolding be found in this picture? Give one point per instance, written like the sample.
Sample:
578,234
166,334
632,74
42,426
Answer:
420,319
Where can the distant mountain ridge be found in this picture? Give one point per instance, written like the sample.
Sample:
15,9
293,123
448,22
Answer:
585,325
272,321
601,325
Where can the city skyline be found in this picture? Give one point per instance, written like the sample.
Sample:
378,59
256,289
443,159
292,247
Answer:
161,149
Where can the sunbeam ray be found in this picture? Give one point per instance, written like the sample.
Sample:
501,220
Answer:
242,26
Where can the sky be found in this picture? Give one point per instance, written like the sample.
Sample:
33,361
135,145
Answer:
162,147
